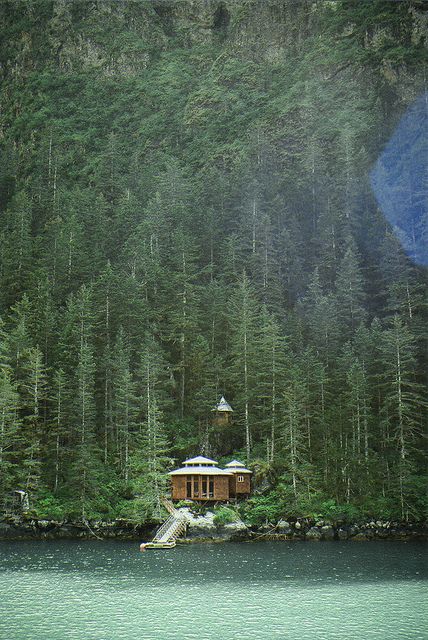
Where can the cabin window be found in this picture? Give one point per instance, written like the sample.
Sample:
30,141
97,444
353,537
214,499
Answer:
240,478
196,488
199,487
189,487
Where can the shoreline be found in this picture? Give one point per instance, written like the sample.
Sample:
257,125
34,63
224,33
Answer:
15,528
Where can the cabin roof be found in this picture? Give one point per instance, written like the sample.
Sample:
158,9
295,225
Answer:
200,460
223,405
238,469
201,471
234,464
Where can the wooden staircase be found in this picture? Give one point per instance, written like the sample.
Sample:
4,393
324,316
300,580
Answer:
170,530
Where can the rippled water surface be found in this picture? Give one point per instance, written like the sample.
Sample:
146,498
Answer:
109,591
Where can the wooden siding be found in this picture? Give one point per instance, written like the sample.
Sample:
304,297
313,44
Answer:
239,488
221,419
222,488
191,487
178,487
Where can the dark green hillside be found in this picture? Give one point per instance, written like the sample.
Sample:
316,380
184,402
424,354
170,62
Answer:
186,211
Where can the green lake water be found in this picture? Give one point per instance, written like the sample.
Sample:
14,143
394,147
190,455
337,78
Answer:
262,591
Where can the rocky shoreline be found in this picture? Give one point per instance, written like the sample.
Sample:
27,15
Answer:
204,529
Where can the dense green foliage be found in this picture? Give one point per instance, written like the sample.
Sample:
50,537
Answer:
185,212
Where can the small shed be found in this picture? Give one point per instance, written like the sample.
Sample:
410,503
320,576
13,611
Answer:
200,479
222,413
240,482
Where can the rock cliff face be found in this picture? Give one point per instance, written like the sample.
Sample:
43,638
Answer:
123,38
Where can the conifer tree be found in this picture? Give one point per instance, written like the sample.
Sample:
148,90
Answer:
16,253
320,311
183,308
78,341
243,354
271,379
350,293
150,462
10,436
124,403
58,438
33,393
294,444
402,400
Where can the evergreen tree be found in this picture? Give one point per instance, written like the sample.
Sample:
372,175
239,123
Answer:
10,436
150,462
33,392
124,403
350,293
243,354
294,443
402,400
271,380
320,311
58,437
16,253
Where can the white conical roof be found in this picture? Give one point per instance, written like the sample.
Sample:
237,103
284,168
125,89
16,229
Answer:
201,471
235,464
223,405
200,460
237,467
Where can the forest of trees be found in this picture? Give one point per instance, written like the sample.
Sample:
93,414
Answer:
186,211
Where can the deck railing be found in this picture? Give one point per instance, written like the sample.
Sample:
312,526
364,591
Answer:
171,528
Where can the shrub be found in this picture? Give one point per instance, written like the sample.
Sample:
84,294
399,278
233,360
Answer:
262,509
48,506
340,512
225,515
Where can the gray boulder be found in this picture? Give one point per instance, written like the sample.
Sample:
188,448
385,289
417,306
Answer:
233,531
283,527
5,530
199,526
361,536
313,534
327,532
203,527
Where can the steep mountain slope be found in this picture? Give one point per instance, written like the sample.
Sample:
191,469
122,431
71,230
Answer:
186,210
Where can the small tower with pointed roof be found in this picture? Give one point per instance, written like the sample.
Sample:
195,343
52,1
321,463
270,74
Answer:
222,413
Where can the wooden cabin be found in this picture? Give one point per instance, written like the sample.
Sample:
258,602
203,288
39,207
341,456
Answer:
222,413
240,482
201,479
